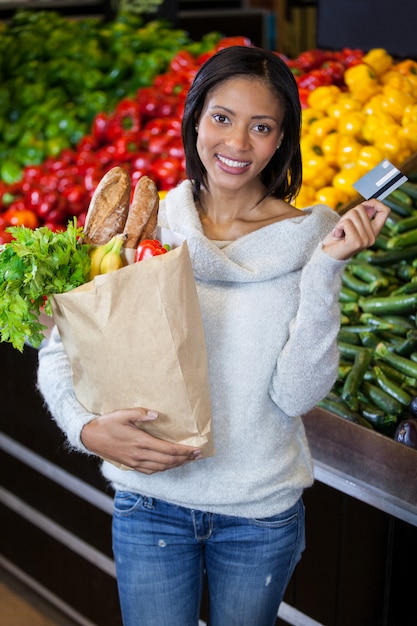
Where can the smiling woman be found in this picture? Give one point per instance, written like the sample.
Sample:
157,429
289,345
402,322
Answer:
268,280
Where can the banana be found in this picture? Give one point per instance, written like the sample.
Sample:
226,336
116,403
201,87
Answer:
97,255
112,260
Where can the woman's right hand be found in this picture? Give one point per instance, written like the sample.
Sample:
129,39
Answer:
118,436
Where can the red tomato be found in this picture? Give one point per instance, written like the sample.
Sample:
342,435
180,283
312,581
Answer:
17,216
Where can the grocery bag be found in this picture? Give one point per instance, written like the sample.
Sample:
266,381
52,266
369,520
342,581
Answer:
135,338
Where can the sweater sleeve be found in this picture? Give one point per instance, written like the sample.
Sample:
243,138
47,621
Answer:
55,385
307,367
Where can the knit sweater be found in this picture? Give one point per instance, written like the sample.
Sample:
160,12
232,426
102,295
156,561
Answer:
269,304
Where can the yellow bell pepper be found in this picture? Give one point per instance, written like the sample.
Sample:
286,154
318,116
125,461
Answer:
394,101
347,151
305,198
323,96
329,148
379,60
343,104
334,198
409,133
310,143
308,116
351,123
374,106
395,80
317,172
322,127
409,114
361,81
394,147
369,156
345,178
373,124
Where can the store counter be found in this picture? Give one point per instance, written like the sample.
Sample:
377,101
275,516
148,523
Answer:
55,508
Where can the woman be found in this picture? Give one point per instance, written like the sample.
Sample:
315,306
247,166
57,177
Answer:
268,279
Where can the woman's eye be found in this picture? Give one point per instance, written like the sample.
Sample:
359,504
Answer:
222,119
262,128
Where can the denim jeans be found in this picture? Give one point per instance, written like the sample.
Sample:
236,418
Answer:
163,552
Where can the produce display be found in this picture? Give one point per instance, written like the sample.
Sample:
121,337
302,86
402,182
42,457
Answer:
377,381
57,74
81,99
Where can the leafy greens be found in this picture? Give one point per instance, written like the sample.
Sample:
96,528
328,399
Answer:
34,265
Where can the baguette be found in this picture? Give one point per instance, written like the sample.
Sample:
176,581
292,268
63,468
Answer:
109,207
143,213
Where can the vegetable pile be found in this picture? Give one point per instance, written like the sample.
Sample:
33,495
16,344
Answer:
377,380
57,74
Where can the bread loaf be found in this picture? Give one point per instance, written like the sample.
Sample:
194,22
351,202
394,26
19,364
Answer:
109,207
143,213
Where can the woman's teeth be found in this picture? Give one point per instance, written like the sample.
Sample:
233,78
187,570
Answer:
231,163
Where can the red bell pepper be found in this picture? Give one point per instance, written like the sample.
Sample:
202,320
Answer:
311,59
335,70
149,248
313,79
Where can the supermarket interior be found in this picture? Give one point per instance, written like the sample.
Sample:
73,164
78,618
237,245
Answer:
88,85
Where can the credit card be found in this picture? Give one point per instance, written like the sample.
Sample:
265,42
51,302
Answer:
380,181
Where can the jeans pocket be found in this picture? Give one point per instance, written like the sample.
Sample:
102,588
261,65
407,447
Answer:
281,520
126,502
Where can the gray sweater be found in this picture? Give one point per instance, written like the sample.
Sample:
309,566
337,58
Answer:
269,304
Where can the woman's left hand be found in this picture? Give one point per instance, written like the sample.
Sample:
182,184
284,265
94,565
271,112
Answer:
357,229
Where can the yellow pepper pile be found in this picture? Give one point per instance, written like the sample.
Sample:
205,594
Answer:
347,131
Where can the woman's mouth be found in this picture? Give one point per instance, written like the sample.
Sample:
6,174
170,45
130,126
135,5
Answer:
232,163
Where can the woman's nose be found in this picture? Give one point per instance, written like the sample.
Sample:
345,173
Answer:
238,138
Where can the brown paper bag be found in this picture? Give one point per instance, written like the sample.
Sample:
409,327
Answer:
135,339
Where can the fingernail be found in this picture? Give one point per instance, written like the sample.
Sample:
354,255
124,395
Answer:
152,415
197,455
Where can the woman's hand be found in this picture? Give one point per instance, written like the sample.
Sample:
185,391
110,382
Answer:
118,436
357,229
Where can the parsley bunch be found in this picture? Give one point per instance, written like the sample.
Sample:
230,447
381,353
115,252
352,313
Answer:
34,265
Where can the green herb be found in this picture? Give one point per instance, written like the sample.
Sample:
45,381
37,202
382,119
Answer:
34,265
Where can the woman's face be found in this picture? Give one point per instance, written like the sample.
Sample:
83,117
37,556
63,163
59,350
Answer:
238,132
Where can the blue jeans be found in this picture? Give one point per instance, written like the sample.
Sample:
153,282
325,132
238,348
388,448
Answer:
163,552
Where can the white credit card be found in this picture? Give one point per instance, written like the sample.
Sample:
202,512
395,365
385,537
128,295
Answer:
380,181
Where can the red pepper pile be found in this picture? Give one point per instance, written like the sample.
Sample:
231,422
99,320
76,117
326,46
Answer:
314,68
143,135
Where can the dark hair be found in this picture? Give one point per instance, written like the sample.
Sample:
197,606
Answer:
282,176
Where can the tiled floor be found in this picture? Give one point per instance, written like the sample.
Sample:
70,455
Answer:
20,606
